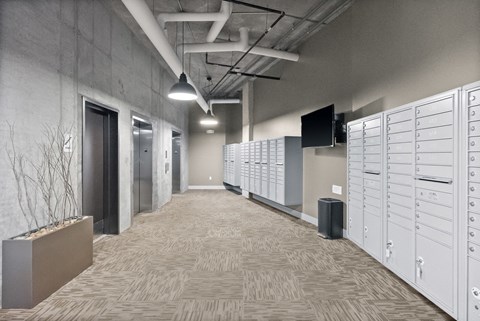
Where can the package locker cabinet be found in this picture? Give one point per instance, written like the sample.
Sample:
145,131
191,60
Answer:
272,170
365,205
403,183
231,164
246,166
470,202
264,164
275,169
289,171
436,214
399,190
251,147
258,168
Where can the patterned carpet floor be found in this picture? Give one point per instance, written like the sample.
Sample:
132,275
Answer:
216,256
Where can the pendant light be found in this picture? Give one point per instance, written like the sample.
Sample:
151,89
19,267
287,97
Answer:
182,90
209,119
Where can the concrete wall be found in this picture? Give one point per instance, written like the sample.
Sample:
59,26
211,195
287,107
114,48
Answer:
206,150
377,55
54,52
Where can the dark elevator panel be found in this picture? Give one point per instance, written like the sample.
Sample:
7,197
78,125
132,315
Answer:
100,168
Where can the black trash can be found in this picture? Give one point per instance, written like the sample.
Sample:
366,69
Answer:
330,218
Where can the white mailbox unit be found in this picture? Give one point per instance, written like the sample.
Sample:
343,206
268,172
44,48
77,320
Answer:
231,164
365,184
414,232
470,204
276,169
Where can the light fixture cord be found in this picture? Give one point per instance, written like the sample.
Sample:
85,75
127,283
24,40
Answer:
183,46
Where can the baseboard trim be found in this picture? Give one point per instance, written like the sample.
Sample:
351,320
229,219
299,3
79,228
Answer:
309,219
206,187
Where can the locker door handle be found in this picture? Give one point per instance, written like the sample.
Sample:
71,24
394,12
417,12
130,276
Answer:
420,263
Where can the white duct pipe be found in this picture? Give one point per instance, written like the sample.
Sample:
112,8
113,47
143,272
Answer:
144,17
274,53
241,46
217,26
212,102
219,19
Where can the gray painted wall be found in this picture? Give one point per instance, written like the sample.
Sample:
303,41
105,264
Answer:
54,52
205,150
377,55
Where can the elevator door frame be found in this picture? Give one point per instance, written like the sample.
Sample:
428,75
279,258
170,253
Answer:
111,207
144,120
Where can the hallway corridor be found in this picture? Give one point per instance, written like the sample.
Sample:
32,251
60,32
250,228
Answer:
214,255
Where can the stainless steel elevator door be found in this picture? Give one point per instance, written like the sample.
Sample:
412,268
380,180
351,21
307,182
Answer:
176,155
142,150
136,168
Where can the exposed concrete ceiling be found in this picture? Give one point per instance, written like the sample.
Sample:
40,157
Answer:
303,19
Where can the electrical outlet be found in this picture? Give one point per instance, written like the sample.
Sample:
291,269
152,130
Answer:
336,189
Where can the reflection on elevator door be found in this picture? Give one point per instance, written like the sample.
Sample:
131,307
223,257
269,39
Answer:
176,155
142,168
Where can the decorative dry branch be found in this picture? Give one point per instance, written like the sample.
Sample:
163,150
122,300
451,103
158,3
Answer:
51,179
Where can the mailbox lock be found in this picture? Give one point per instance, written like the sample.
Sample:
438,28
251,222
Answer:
472,173
472,249
472,188
472,204
472,143
472,158
472,234
476,293
472,219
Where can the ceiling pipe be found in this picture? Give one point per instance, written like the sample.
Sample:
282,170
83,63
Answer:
144,17
241,46
225,11
219,19
212,102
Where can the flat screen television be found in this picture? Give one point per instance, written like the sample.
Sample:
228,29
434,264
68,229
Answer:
318,128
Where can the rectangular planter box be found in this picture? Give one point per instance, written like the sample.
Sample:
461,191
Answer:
34,269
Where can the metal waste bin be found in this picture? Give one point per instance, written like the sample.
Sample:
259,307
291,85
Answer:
330,218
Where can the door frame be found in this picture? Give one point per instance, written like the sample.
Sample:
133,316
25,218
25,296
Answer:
112,215
145,119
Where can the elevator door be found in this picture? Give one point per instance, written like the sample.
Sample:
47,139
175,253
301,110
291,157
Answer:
100,168
176,154
93,167
142,150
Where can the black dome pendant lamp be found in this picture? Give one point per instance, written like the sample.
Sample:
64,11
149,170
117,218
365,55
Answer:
182,90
